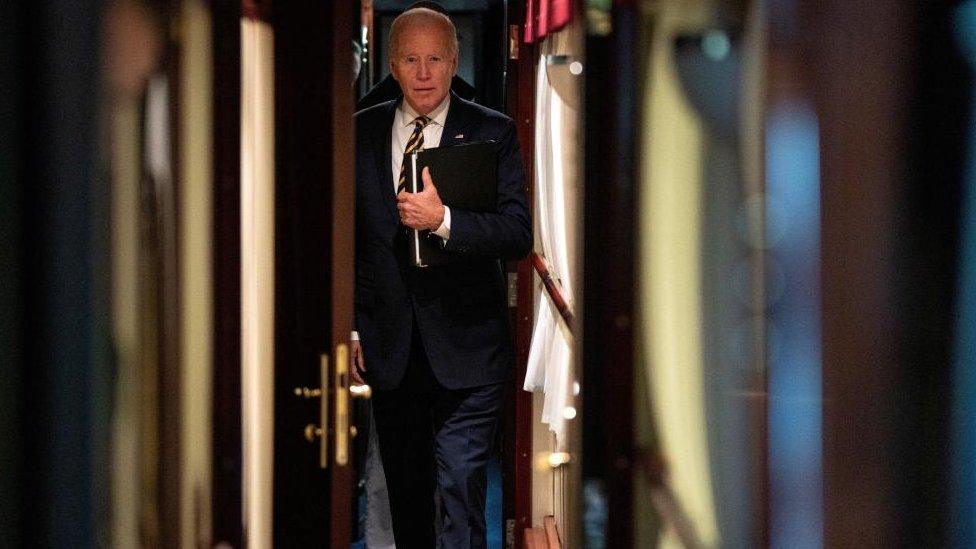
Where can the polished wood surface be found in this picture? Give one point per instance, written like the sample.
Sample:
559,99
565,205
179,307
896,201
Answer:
226,502
517,462
257,9
170,386
343,207
890,141
314,258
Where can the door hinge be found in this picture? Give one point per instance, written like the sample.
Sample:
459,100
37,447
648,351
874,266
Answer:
512,290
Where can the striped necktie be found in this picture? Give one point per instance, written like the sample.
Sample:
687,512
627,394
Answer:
415,143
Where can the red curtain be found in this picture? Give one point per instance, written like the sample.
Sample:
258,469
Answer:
545,16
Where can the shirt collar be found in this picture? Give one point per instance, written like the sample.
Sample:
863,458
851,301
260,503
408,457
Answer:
437,116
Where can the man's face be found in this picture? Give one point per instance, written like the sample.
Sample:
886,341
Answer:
424,64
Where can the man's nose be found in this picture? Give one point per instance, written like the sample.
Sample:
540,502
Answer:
423,71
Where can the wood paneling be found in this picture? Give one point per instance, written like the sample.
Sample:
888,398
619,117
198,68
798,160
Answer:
863,190
342,31
313,257
226,502
517,460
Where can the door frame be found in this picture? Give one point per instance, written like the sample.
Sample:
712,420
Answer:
517,420
227,504
226,487
314,159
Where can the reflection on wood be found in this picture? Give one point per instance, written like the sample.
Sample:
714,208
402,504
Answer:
258,10
257,277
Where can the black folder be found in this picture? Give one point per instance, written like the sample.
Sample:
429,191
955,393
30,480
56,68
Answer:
466,179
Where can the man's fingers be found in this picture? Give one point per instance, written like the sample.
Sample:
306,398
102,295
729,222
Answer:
428,180
414,212
357,363
357,356
408,212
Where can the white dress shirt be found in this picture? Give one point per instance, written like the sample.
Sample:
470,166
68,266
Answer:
403,125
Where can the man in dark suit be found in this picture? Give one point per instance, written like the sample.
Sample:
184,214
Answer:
435,342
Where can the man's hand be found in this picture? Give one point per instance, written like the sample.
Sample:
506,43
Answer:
357,367
423,210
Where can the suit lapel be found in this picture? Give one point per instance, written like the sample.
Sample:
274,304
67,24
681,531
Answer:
456,122
382,149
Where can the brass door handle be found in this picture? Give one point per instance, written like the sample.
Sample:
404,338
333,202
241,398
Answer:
312,431
342,404
340,387
305,392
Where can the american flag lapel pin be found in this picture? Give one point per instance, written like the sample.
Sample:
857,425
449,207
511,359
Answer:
459,136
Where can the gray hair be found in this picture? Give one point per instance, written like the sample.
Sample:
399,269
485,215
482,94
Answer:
422,16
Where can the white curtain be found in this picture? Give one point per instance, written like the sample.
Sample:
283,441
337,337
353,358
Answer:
550,353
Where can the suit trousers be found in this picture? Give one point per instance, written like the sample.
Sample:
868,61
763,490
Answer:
435,440
378,530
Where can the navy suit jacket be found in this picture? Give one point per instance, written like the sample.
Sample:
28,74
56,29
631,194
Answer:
461,308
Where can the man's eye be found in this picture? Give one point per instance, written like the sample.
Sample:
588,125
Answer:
410,59
435,59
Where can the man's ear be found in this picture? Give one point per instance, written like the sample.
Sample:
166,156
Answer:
393,72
